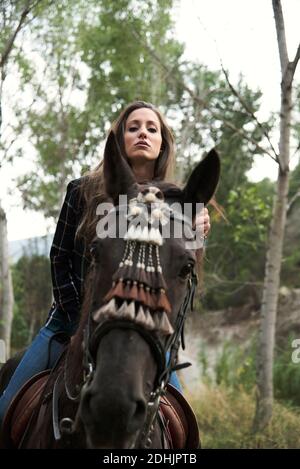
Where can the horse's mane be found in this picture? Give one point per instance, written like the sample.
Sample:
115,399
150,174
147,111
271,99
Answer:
76,345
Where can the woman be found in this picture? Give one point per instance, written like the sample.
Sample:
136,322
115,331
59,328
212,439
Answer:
147,142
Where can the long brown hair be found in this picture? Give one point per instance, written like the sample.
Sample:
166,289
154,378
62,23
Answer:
92,186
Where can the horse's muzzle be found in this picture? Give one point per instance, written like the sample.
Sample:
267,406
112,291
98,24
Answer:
112,418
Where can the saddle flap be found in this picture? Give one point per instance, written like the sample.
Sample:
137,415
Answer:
180,418
21,408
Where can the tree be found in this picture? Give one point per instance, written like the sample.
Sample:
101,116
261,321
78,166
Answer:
275,243
89,58
14,17
215,116
6,291
236,249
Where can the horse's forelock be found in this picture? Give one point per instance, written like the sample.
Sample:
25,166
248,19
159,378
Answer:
169,190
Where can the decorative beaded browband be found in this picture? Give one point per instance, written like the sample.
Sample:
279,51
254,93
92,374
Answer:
138,291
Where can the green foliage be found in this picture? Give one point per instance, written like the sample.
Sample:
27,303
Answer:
32,294
20,329
290,268
291,252
294,181
225,406
225,418
287,375
40,195
214,124
114,46
235,253
11,12
204,365
14,17
235,367
250,208
236,248
93,58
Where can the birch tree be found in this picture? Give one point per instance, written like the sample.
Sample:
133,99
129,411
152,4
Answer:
275,244
6,290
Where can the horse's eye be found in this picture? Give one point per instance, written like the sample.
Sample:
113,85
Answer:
186,270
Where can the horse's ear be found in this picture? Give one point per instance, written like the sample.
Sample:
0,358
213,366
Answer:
203,181
118,176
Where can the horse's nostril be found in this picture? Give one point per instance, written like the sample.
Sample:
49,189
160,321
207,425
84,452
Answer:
137,416
140,408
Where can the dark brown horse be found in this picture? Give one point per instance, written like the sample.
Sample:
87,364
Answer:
105,391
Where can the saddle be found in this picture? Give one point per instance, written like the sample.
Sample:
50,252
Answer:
179,421
21,409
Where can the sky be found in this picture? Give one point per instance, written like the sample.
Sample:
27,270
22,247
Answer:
242,34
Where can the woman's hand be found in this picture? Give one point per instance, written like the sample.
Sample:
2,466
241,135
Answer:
202,222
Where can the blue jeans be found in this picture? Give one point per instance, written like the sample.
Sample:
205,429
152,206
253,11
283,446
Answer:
174,378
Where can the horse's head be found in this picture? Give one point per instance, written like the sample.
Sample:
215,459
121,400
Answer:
140,288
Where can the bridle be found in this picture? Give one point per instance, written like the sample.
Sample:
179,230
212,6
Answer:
92,339
164,368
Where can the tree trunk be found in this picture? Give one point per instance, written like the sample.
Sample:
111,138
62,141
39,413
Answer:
269,307
6,289
31,328
265,357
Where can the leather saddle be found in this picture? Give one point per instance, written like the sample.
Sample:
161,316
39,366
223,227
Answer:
178,418
21,409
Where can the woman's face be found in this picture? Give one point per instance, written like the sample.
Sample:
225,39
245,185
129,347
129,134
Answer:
142,137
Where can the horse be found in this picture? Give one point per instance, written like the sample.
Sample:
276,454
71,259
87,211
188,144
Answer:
107,389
